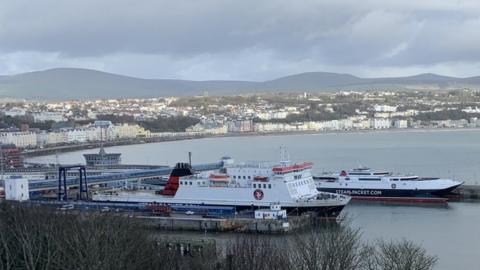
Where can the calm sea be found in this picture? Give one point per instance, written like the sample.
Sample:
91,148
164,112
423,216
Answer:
452,233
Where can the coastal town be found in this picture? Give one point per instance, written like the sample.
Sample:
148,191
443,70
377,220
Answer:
232,135
28,124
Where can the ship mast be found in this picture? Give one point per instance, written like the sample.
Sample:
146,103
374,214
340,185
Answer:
284,156
2,161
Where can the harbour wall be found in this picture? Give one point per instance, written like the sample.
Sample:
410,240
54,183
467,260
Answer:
247,225
468,192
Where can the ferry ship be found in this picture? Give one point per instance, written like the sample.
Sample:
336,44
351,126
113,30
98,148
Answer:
365,183
251,185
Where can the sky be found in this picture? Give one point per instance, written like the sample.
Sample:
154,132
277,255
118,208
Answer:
242,40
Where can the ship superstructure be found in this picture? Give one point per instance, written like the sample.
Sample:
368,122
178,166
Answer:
365,182
249,185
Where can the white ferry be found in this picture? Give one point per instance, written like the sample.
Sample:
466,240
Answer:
250,185
367,183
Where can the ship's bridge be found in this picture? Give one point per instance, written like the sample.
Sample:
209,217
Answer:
362,171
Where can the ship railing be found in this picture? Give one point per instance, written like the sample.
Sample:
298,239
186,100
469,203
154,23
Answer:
256,164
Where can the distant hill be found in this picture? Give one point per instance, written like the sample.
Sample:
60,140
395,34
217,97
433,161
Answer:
72,83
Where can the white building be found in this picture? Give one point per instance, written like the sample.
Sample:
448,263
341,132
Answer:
127,131
475,122
399,123
380,123
272,115
345,124
76,135
240,126
48,116
471,110
274,127
20,139
361,124
384,108
275,212
56,137
15,112
207,129
16,189
104,130
93,134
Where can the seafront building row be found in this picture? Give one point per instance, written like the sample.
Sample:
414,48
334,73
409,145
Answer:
97,132
106,131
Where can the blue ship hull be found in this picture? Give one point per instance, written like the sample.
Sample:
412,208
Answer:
390,192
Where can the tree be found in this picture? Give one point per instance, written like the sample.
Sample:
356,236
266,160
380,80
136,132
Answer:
34,237
403,255
329,248
256,252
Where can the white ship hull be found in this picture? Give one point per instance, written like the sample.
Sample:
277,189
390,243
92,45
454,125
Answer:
379,184
242,187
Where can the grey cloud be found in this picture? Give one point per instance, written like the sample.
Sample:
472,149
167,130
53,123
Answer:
228,39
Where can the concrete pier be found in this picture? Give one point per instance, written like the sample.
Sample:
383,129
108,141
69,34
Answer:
468,192
248,225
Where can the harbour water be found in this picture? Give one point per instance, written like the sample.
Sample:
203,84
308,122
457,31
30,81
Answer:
452,233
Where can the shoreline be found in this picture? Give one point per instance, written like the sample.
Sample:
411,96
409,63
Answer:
95,145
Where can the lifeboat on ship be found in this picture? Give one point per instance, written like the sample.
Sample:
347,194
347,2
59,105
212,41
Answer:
261,178
219,179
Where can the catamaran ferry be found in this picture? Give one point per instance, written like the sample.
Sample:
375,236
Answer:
364,183
250,185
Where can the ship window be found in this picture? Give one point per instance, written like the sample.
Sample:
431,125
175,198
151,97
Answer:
409,178
369,179
264,185
254,185
244,177
190,183
347,178
269,185
249,177
234,177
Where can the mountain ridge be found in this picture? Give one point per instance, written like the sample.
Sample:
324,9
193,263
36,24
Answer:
78,83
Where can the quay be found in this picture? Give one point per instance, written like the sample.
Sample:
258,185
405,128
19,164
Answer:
468,192
198,223
138,173
179,221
